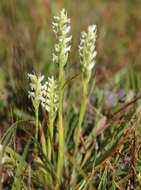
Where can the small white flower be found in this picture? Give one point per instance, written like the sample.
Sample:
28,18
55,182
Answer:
55,58
41,78
54,24
68,39
57,47
66,30
56,18
67,49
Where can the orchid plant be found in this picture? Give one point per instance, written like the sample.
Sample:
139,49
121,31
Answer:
50,93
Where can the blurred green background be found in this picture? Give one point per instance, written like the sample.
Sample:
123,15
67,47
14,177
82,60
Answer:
27,41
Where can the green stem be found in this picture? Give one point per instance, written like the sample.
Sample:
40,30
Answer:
81,115
37,128
50,137
61,129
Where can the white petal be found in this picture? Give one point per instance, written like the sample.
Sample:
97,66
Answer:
48,101
60,39
55,24
83,34
67,30
57,47
91,65
56,17
55,31
31,94
44,87
55,58
32,77
93,27
41,77
68,39
47,108
62,11
94,54
42,104
67,49
80,47
42,99
32,86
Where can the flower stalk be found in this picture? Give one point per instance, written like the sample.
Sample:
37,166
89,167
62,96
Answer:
61,29
50,103
87,59
36,95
